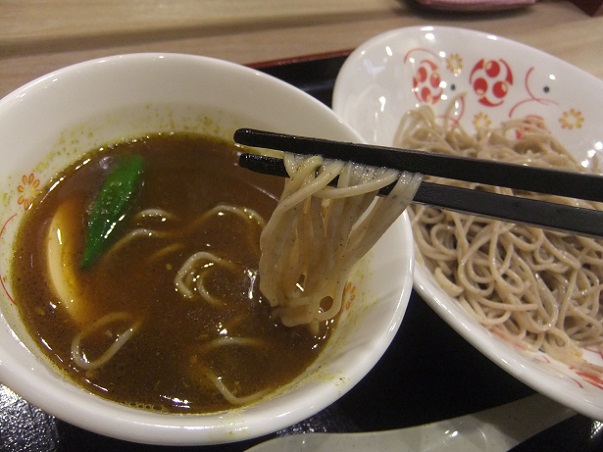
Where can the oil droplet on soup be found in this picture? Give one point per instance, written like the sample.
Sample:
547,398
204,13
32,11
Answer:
170,317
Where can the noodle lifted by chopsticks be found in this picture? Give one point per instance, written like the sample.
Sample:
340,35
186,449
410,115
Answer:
317,233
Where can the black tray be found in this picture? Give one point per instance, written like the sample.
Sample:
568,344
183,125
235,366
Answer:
429,372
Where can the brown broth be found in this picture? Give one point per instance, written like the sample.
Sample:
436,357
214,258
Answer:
162,366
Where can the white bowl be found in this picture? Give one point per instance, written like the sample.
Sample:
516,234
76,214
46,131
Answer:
502,79
51,121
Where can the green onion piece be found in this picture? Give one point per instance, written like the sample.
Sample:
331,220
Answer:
111,205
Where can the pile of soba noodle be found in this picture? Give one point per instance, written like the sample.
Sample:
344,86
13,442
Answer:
531,286
318,232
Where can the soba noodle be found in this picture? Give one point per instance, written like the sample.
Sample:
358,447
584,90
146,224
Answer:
317,233
535,287
118,339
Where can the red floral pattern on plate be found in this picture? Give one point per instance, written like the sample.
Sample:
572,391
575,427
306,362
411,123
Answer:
490,81
28,190
25,193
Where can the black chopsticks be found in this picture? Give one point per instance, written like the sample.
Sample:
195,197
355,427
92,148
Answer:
541,180
508,208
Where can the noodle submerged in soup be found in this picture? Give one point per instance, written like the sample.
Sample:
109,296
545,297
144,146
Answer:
170,317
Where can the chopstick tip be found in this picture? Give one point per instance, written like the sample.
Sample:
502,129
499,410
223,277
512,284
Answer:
242,135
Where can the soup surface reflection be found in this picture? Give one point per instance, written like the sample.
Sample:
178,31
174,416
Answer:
169,317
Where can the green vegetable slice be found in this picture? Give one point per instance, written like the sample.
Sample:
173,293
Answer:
111,205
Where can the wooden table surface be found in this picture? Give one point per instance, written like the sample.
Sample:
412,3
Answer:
38,36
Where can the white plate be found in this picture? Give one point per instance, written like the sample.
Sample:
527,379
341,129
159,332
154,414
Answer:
402,69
